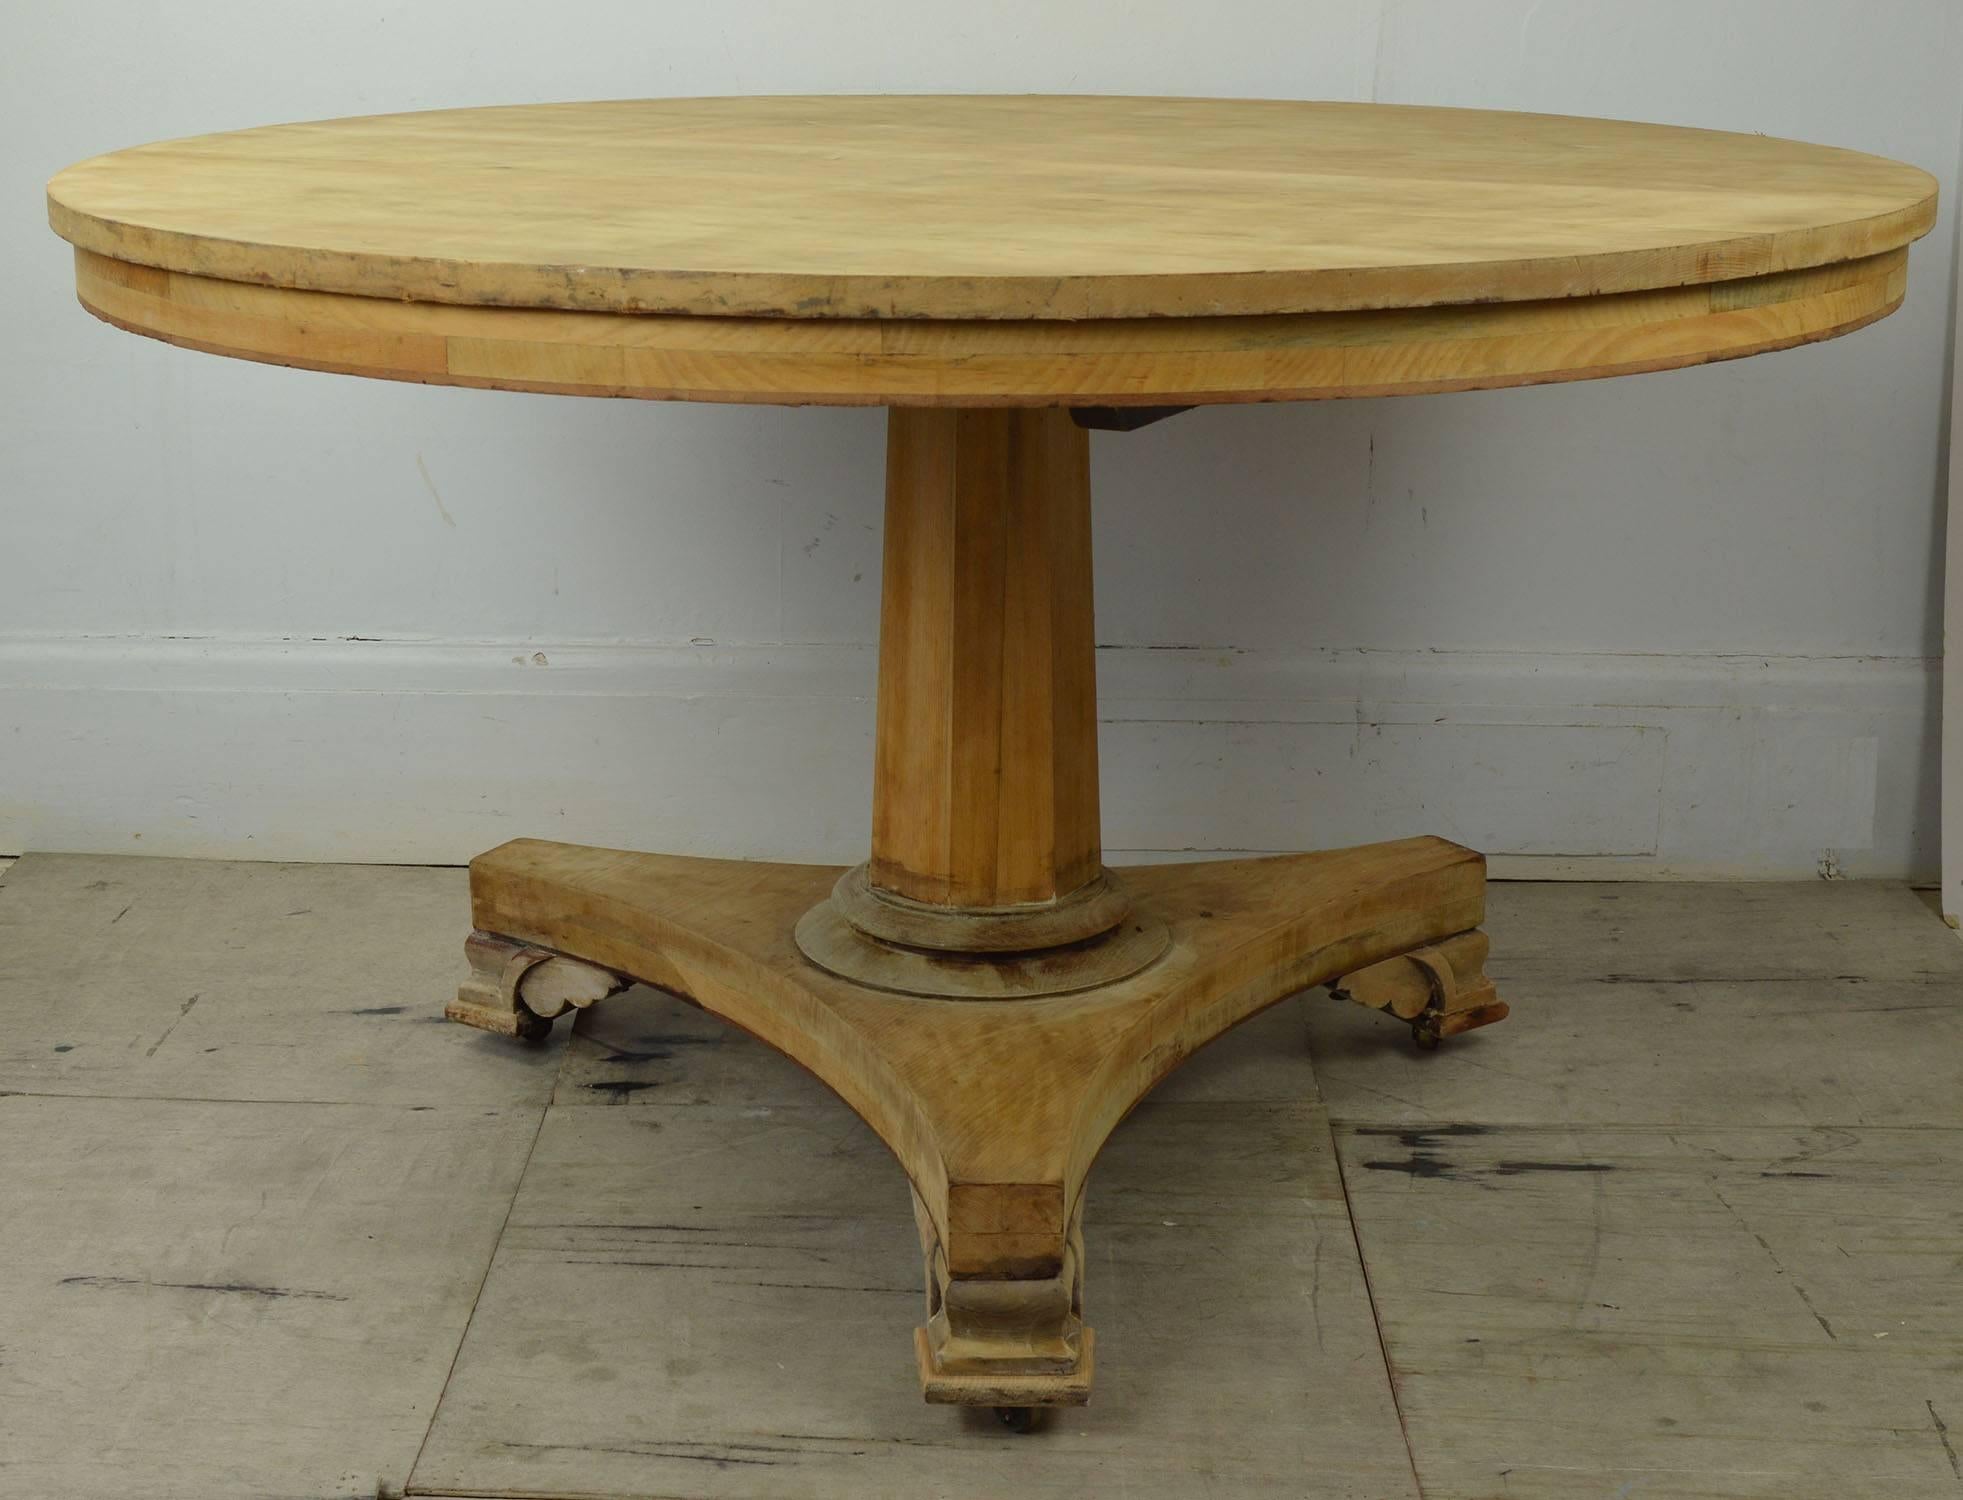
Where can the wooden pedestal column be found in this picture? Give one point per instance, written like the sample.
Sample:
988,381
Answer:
985,835
985,778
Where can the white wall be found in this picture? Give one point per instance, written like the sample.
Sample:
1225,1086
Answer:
1684,623
1952,670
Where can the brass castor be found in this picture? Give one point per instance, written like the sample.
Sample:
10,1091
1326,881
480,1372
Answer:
1440,991
531,1026
1017,1418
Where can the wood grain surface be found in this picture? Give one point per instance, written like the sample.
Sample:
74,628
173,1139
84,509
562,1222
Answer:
985,777
984,207
995,1111
1120,362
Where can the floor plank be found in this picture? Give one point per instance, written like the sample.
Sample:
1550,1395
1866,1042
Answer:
1686,1224
219,1300
1830,1003
1868,929
1670,1313
164,978
717,1302
1690,1222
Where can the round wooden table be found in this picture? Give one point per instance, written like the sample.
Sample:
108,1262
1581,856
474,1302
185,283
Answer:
1002,273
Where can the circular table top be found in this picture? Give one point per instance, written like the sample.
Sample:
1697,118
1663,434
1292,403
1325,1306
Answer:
1000,224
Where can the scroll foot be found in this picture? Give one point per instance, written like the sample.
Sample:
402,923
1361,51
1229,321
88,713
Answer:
516,989
1439,991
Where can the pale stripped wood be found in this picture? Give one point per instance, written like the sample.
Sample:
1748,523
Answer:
1666,1311
967,966
984,207
518,991
1159,361
150,977
1096,906
234,1299
985,776
995,1109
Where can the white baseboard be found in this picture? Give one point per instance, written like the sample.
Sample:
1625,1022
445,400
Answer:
1559,766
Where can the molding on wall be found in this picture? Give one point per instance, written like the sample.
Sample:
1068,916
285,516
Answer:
1559,765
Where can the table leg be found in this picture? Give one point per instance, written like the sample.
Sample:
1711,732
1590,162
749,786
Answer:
983,992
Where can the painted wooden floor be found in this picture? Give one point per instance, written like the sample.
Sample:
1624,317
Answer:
1689,1224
